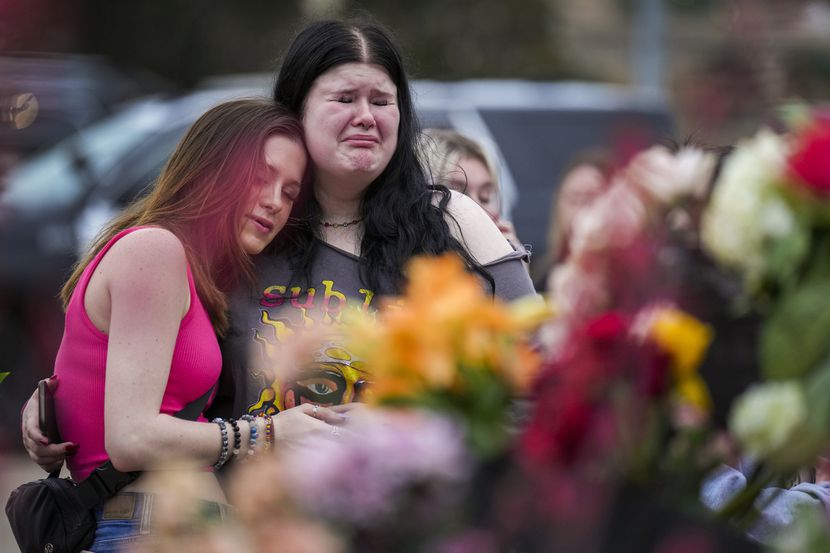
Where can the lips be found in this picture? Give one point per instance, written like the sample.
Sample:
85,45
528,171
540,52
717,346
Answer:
362,140
262,224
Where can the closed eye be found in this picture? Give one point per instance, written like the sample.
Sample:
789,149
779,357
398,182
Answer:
291,192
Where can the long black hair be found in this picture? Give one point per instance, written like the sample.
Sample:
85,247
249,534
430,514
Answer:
400,217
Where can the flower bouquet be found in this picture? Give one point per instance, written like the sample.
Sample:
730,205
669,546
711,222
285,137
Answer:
448,347
769,221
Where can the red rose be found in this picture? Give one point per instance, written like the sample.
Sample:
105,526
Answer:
608,327
653,375
810,161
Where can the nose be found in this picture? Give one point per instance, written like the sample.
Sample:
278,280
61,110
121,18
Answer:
271,197
363,115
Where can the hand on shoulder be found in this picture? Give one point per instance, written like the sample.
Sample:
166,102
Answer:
474,228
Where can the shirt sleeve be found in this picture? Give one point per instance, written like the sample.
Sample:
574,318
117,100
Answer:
778,507
510,277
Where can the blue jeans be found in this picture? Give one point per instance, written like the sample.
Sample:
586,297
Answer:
121,521
126,518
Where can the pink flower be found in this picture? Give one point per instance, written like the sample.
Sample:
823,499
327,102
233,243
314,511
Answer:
809,162
579,289
614,220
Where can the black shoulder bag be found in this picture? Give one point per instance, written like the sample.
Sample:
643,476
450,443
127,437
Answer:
55,515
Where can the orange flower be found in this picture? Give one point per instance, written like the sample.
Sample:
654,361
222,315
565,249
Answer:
444,321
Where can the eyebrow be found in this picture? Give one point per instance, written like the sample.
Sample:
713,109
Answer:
267,169
345,89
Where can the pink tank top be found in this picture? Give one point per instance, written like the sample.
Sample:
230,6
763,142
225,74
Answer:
80,368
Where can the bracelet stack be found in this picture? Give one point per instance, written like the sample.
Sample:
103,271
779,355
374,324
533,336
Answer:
227,452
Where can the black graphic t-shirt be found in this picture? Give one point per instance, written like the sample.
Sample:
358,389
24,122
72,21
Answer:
264,321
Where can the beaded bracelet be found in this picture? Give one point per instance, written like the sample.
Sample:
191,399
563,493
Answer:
253,437
269,430
223,453
237,437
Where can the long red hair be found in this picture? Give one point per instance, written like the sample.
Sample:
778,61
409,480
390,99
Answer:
201,194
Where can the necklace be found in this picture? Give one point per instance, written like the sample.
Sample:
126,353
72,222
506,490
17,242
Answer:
341,225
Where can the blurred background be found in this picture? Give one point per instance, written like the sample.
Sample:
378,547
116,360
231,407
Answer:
95,93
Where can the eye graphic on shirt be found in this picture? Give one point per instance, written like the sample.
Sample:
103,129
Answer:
331,376
334,378
320,388
323,384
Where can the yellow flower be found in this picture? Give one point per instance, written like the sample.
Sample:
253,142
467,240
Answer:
683,337
693,391
530,312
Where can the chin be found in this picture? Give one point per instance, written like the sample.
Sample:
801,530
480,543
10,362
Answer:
252,247
366,163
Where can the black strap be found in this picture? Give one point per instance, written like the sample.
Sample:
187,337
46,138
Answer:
105,481
192,410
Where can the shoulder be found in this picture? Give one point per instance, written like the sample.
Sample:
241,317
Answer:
152,244
471,225
154,250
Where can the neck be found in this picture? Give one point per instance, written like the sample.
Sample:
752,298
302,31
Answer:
338,206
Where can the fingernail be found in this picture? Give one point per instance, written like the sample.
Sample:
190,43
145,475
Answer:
53,377
44,441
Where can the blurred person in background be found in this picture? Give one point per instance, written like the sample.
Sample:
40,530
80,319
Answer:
370,210
462,164
584,180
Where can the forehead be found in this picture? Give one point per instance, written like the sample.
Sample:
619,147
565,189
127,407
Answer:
285,155
352,76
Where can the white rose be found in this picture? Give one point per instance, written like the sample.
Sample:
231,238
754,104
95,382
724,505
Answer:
776,219
745,211
767,416
667,178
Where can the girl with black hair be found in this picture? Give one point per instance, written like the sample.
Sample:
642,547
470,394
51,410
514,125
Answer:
371,208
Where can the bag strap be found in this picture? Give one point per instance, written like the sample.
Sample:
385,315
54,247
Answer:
106,481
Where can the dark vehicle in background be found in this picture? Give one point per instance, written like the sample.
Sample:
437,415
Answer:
63,93
60,199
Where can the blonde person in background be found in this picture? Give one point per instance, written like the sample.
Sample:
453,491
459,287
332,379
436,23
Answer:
462,164
586,177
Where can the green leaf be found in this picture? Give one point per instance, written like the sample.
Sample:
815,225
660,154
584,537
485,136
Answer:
818,399
821,213
796,336
795,114
809,439
786,255
3,376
